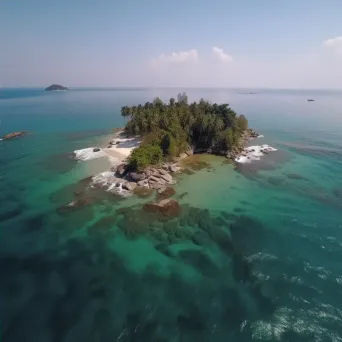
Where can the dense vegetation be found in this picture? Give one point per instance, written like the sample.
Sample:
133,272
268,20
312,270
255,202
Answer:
169,129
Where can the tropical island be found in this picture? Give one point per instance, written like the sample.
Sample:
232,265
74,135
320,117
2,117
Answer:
56,87
161,140
170,129
159,137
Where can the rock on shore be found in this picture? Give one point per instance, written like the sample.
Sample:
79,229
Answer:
120,180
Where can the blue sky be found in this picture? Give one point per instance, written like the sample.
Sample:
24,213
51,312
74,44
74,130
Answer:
216,43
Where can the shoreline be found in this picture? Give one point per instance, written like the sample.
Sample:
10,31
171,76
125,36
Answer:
117,150
121,181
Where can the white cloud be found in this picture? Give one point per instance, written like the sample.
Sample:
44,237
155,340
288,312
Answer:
333,42
319,69
222,55
177,57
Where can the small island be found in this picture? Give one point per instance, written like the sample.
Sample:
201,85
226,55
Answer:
162,136
162,139
56,87
13,135
170,129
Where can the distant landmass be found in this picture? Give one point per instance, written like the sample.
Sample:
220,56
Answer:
55,87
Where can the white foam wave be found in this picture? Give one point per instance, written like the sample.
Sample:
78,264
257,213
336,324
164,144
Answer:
108,180
261,256
254,153
261,136
88,154
339,280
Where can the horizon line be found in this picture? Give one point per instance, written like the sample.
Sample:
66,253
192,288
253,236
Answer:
168,87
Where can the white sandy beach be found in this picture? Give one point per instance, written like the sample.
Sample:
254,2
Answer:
120,148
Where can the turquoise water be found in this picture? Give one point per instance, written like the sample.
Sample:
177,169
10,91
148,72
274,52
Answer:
255,255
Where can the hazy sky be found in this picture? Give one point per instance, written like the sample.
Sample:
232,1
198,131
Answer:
202,43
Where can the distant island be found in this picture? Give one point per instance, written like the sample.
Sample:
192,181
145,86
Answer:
55,87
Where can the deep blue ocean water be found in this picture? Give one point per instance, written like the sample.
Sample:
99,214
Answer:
256,255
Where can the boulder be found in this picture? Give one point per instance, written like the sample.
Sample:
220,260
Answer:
166,192
162,172
130,186
13,135
157,180
165,207
148,172
154,179
137,176
161,190
96,149
121,169
174,168
190,152
167,177
156,185
142,182
143,192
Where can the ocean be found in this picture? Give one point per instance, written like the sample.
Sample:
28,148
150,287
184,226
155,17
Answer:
255,256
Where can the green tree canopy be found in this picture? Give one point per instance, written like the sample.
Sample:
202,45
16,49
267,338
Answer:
176,125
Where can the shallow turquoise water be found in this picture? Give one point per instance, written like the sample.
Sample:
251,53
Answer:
256,254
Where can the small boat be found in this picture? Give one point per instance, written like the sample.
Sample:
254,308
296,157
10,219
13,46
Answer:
311,100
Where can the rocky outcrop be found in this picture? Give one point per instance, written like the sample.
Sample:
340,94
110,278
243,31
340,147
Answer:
119,178
96,149
166,192
166,177
174,168
13,135
121,169
138,176
130,186
165,207
252,134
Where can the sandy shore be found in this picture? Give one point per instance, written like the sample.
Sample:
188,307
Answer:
117,150
122,146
